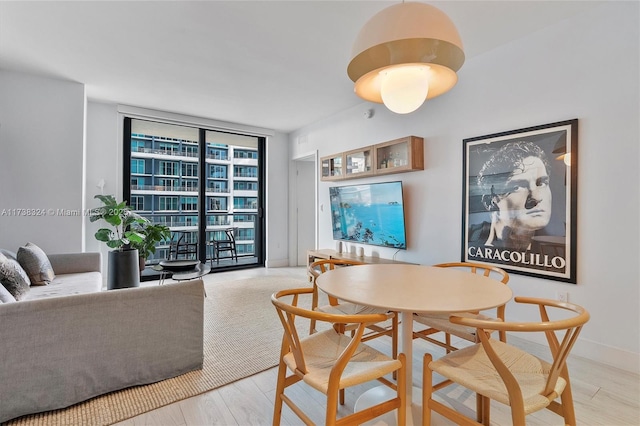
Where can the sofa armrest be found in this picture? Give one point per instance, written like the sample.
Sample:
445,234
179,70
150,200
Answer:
71,263
59,351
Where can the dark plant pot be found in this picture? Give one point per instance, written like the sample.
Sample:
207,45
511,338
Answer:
124,269
142,265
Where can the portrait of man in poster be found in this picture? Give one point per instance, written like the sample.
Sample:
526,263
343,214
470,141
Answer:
516,202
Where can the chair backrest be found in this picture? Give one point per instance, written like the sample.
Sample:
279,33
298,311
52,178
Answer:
177,237
286,303
478,268
231,234
486,270
560,348
323,265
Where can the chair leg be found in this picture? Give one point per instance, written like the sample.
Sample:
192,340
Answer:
332,405
394,336
427,390
394,341
568,411
401,390
277,409
314,305
483,409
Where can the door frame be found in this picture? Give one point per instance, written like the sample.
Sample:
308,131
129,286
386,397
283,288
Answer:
293,227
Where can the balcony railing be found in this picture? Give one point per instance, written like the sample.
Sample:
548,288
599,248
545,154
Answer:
166,152
217,157
219,190
162,188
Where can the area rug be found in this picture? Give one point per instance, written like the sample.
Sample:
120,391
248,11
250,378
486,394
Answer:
242,337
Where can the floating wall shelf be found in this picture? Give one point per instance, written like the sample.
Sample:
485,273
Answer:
396,156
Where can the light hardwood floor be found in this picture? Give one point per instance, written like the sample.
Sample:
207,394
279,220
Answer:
603,395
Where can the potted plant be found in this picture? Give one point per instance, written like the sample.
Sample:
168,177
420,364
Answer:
152,234
123,271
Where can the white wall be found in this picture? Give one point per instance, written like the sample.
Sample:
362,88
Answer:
104,162
41,162
585,67
277,201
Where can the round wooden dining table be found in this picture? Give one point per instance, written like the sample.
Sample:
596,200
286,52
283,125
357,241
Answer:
409,289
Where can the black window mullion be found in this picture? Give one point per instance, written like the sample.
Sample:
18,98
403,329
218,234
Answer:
126,164
202,195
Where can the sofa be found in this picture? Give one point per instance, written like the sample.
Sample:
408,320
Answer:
69,341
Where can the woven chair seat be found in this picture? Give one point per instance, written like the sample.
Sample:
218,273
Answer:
346,308
471,368
441,322
322,349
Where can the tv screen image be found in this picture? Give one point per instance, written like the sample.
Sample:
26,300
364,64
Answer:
369,214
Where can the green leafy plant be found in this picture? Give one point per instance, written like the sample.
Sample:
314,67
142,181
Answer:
152,233
122,219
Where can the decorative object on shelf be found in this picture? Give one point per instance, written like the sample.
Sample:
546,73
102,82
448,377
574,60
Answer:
123,265
405,54
510,181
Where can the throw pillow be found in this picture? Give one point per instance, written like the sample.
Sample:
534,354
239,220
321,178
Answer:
5,296
10,254
36,263
13,277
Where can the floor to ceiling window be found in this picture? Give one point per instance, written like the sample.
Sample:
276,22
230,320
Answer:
200,183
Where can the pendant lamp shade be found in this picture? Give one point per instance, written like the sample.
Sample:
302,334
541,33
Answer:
405,54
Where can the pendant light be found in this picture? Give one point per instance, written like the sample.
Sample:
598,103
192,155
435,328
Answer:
405,54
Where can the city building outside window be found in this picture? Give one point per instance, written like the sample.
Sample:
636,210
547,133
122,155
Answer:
189,203
137,166
167,168
167,203
189,169
137,202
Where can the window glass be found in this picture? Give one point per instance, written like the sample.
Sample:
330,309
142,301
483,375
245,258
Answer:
171,184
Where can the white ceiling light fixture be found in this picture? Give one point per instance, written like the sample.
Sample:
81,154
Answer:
405,54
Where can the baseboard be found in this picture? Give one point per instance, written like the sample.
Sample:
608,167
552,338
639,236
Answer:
598,352
276,263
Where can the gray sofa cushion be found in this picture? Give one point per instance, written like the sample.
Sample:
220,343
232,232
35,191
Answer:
68,284
5,296
36,264
13,277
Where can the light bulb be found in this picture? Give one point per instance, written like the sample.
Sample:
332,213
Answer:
404,88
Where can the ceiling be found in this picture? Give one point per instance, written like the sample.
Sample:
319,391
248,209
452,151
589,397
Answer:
278,65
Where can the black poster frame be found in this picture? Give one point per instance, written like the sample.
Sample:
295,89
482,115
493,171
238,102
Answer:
519,200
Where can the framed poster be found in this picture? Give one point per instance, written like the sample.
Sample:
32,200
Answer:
519,200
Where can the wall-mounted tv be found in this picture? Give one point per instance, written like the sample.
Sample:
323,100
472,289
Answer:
369,214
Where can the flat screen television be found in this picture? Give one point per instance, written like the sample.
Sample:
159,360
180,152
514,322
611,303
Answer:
369,214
